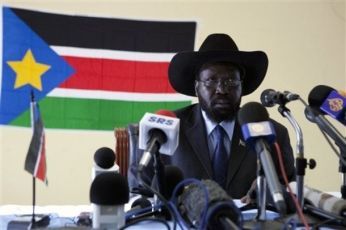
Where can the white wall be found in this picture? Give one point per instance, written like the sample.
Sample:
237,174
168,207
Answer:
305,43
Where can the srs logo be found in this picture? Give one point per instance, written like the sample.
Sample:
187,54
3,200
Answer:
160,120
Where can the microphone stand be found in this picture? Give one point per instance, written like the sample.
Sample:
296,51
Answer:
159,170
328,129
342,169
301,162
159,173
261,193
260,221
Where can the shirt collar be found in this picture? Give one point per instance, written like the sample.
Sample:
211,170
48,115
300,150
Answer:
210,125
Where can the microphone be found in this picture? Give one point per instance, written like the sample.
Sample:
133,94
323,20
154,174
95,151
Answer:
173,176
166,113
109,192
104,161
258,132
329,101
270,97
314,114
324,201
222,213
157,133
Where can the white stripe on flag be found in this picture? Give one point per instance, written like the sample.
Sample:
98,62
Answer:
113,54
122,96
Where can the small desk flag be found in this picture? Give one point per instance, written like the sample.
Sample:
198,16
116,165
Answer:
35,162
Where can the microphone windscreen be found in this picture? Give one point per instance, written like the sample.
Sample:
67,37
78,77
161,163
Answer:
164,112
322,200
173,176
266,99
252,112
194,201
109,188
104,157
318,94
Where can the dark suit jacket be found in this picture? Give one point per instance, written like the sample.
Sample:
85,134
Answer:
192,154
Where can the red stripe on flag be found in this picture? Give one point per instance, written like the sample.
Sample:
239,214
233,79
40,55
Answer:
41,167
118,75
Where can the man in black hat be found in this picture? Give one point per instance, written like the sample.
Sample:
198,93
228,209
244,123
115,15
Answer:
219,75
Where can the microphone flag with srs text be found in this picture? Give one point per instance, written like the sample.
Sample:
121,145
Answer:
90,73
35,161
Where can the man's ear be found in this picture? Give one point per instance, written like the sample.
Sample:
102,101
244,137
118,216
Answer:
196,85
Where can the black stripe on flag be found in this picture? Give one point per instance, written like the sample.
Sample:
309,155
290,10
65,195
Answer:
110,33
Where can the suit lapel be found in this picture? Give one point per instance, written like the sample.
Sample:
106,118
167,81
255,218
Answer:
238,153
195,129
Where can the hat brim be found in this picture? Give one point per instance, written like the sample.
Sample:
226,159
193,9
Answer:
184,66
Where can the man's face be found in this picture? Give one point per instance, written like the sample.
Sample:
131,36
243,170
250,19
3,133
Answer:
218,88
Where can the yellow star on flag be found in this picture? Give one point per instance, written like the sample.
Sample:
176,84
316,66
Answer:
28,71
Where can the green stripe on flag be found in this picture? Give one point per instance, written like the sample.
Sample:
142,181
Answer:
94,114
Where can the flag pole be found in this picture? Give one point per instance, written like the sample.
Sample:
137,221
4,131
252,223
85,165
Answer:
33,201
33,177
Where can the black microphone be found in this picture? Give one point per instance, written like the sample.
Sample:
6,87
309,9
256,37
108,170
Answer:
259,132
104,161
270,97
221,211
104,157
109,192
173,176
314,114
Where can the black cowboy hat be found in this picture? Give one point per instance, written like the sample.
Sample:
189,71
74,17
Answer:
216,48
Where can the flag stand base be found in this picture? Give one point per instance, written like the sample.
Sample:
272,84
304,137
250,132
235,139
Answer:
23,222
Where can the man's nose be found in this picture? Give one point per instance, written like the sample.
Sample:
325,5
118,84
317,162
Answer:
222,87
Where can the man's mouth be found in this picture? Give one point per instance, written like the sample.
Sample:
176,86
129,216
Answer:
221,102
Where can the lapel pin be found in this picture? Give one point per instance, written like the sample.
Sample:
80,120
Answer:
241,142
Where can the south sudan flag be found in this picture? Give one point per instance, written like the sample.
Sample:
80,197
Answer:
87,72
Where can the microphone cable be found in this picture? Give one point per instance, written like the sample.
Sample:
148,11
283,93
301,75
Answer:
226,223
161,198
284,175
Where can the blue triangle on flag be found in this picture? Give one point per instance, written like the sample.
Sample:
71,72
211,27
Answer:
18,39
